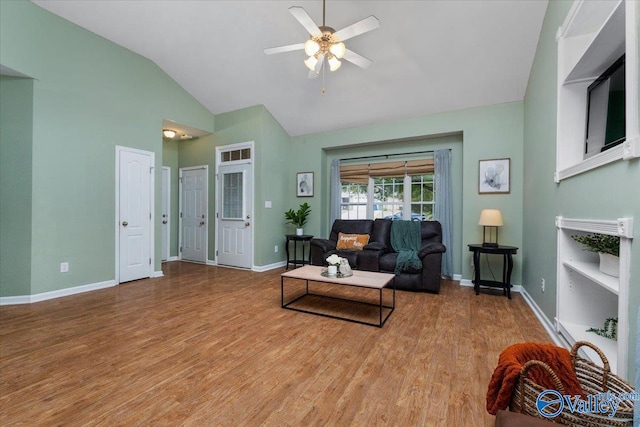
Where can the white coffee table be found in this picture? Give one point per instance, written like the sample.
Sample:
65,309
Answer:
360,279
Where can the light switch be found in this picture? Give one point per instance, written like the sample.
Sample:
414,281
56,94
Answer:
267,204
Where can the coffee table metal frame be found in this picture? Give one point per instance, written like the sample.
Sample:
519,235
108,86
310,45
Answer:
313,274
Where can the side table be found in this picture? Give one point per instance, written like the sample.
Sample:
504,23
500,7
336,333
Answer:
507,253
295,238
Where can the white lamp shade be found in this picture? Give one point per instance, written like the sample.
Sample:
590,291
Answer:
168,133
338,50
491,217
311,62
334,64
311,47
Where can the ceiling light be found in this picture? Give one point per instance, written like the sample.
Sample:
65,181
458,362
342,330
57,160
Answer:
338,50
311,47
168,133
334,64
311,62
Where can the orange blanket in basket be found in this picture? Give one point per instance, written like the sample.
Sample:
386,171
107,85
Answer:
510,363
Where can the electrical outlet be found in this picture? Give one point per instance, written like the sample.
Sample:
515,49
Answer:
275,249
542,283
64,267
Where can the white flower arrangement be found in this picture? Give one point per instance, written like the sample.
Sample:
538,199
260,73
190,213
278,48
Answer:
334,260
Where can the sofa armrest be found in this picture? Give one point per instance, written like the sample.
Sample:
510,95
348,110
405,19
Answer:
431,248
375,246
325,245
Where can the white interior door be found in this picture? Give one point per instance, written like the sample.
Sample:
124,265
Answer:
235,237
134,189
166,209
193,213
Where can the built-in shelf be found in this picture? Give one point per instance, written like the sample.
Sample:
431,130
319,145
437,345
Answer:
593,36
586,297
575,332
592,272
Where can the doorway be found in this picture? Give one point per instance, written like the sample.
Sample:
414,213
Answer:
134,214
234,165
194,190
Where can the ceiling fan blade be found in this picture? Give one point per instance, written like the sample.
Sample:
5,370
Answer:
360,27
357,59
303,17
288,48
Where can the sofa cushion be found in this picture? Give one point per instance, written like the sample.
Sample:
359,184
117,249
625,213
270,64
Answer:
352,241
351,226
387,262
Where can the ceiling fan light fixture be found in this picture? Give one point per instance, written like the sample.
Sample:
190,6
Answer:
168,133
334,64
311,62
311,47
338,50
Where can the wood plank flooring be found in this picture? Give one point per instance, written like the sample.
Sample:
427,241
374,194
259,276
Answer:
210,346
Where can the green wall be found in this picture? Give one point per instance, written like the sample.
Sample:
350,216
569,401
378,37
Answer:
16,118
487,133
597,194
89,95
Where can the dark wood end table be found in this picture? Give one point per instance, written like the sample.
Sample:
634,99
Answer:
507,253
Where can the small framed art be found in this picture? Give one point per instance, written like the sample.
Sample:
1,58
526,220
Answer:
494,176
304,184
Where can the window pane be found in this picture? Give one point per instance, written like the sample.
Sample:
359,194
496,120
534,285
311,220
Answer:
354,201
232,195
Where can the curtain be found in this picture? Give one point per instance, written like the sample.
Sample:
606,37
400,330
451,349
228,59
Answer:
443,211
335,192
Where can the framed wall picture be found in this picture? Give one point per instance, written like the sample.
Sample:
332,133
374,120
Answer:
304,184
494,176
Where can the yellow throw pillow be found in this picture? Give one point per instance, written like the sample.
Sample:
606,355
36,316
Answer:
352,241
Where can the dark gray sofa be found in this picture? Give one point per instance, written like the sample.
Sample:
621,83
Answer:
378,254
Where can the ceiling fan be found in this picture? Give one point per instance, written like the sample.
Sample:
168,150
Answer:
327,43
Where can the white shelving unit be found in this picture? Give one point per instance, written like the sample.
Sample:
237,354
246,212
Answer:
593,36
587,297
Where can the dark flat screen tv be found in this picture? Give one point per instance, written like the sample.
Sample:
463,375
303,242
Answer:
606,110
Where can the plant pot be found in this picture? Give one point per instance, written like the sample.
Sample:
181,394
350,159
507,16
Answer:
332,270
299,231
610,264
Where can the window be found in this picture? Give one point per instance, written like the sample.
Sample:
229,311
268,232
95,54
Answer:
392,190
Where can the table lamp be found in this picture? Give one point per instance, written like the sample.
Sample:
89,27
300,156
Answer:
490,219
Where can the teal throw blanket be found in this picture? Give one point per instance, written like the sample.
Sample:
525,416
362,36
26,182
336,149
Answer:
405,240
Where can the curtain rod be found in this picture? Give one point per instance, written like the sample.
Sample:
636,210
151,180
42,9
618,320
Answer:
388,155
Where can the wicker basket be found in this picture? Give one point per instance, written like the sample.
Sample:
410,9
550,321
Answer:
593,380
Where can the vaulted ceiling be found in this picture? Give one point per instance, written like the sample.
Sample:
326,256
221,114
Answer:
428,56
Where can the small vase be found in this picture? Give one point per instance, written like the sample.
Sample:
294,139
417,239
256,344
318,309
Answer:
332,271
610,264
299,231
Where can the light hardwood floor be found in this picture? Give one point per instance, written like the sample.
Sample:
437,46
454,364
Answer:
211,346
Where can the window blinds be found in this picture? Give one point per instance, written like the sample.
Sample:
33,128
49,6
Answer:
359,174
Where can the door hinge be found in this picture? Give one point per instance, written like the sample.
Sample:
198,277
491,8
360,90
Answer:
180,179
217,215
216,253
149,215
180,248
180,214
149,261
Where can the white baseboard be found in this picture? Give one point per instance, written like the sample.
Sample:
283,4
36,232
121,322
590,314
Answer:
211,262
467,282
28,299
261,268
157,274
544,320
171,258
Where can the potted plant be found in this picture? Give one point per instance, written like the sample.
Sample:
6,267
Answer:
607,247
299,217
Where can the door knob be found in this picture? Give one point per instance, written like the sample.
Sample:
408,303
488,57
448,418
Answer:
125,223
164,222
246,224
201,222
